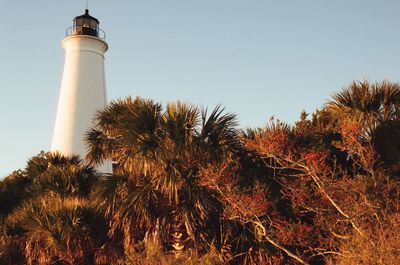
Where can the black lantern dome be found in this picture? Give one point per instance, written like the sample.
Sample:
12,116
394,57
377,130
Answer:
86,25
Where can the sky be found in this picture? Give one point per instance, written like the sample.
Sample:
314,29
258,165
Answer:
257,58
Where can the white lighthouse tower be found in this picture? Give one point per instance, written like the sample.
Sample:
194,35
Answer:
83,86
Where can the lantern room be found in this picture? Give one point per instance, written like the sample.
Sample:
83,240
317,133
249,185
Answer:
86,25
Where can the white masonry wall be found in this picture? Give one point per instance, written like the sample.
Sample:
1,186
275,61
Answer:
82,94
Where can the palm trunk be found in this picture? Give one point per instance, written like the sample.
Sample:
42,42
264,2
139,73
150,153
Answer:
177,235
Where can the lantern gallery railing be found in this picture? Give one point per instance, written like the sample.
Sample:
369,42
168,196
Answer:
85,30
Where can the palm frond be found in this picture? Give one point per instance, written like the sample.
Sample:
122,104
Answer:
99,146
43,161
219,134
75,180
58,228
364,100
180,122
126,132
105,195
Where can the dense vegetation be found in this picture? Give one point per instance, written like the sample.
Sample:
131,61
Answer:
189,187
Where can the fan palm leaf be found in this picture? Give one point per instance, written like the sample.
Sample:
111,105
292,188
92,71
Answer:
63,229
366,103
218,134
127,133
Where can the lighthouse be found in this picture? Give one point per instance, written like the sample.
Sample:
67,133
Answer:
83,86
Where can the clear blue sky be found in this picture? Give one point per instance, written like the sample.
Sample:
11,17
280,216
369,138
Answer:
256,57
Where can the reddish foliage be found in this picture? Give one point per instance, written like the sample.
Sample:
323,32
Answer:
351,133
355,142
290,233
246,205
271,142
317,160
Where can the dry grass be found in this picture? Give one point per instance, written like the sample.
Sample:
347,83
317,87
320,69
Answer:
155,256
381,246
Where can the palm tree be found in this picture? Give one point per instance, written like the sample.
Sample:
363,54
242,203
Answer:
369,104
63,230
157,158
377,108
52,219
66,176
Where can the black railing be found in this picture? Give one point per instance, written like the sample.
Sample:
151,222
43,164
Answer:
82,30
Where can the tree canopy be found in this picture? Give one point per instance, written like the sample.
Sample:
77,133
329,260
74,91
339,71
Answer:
188,186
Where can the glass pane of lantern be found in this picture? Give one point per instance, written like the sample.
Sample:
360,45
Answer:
78,22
